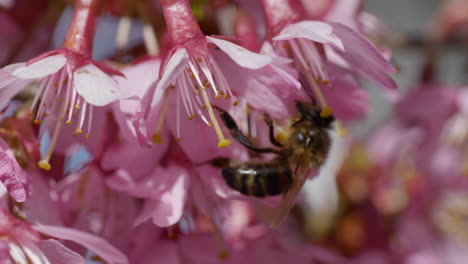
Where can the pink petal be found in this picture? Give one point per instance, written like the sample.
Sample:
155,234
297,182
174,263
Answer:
271,89
346,12
58,253
198,141
363,56
462,102
41,68
134,160
313,30
96,87
11,174
94,243
243,57
139,78
4,252
9,87
164,252
174,66
171,203
345,95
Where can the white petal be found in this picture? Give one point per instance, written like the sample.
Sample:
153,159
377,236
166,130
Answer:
313,30
41,68
240,55
96,87
175,65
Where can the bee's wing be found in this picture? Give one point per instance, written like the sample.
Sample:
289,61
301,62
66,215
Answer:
301,172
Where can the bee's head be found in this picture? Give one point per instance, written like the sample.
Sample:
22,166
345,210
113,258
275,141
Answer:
311,112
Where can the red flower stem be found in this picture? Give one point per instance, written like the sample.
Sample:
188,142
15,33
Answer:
181,23
279,13
83,26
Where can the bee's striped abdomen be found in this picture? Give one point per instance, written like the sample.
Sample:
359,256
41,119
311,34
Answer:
257,179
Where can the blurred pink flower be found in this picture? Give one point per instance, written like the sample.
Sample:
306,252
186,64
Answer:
424,134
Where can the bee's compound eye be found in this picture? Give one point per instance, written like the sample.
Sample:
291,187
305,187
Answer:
299,138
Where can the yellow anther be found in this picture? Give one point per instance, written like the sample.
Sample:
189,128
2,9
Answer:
46,114
203,106
209,125
217,96
326,112
78,131
325,81
178,139
192,116
68,122
157,138
226,96
199,59
281,136
235,103
57,100
77,107
44,164
224,143
37,122
88,135
55,84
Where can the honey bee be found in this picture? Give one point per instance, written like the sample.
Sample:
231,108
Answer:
305,148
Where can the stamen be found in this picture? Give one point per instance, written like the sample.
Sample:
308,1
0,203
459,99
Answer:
326,110
223,142
300,56
90,119
178,119
44,163
157,138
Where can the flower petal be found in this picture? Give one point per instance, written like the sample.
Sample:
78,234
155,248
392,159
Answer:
96,244
58,253
363,56
96,87
313,30
171,203
174,66
9,84
243,57
41,68
11,174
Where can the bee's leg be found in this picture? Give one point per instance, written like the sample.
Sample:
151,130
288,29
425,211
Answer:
271,129
237,134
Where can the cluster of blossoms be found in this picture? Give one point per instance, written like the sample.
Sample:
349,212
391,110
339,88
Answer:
114,161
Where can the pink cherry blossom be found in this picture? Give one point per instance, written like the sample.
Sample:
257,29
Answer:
313,45
193,76
71,82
